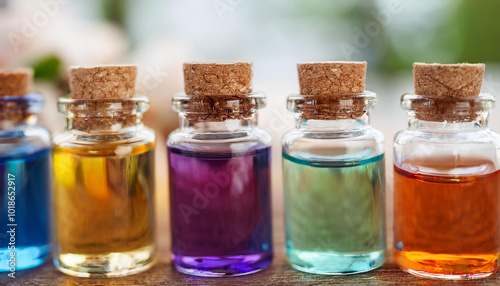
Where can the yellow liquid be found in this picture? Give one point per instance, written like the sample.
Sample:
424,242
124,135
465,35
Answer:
104,214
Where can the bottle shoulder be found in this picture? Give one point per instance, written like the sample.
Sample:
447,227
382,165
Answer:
355,144
24,140
138,140
459,153
253,138
366,133
483,136
25,130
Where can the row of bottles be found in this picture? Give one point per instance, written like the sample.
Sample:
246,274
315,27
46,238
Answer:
446,178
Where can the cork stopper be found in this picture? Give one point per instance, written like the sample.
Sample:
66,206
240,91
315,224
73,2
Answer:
450,80
449,91
102,82
15,82
231,78
332,90
103,98
218,91
15,106
331,78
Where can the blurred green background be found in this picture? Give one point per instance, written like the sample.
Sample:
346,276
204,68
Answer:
390,34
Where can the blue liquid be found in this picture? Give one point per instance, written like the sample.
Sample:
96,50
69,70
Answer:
334,215
30,177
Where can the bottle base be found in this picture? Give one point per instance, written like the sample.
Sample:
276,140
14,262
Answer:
447,266
423,274
114,264
221,266
25,258
334,263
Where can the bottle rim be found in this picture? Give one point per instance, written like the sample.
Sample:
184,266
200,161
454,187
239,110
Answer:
103,106
200,108
484,101
336,106
182,102
30,103
444,108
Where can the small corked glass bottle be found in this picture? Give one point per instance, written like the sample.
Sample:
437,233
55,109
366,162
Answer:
25,175
333,173
447,177
104,176
219,172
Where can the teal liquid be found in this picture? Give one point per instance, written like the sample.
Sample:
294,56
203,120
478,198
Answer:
334,215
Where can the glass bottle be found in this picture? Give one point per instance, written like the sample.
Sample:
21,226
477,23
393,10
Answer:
220,191
104,188
25,178
333,173
446,188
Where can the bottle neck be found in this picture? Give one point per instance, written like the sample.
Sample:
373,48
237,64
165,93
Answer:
111,115
431,113
222,114
335,113
337,125
19,111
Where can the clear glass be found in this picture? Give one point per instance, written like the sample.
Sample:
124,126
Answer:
104,188
333,173
446,188
220,188
25,164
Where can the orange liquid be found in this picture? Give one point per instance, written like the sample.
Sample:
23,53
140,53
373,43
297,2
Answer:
447,226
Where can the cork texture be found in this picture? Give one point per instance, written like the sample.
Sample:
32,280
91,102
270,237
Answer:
15,82
219,108
327,87
331,78
450,80
232,78
101,82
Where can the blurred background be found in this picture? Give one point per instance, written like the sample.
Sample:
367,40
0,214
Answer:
158,35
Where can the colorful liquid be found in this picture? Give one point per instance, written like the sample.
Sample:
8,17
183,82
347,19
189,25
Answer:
220,206
334,215
447,226
104,210
25,181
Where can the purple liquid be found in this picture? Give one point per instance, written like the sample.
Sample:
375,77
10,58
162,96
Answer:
220,206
